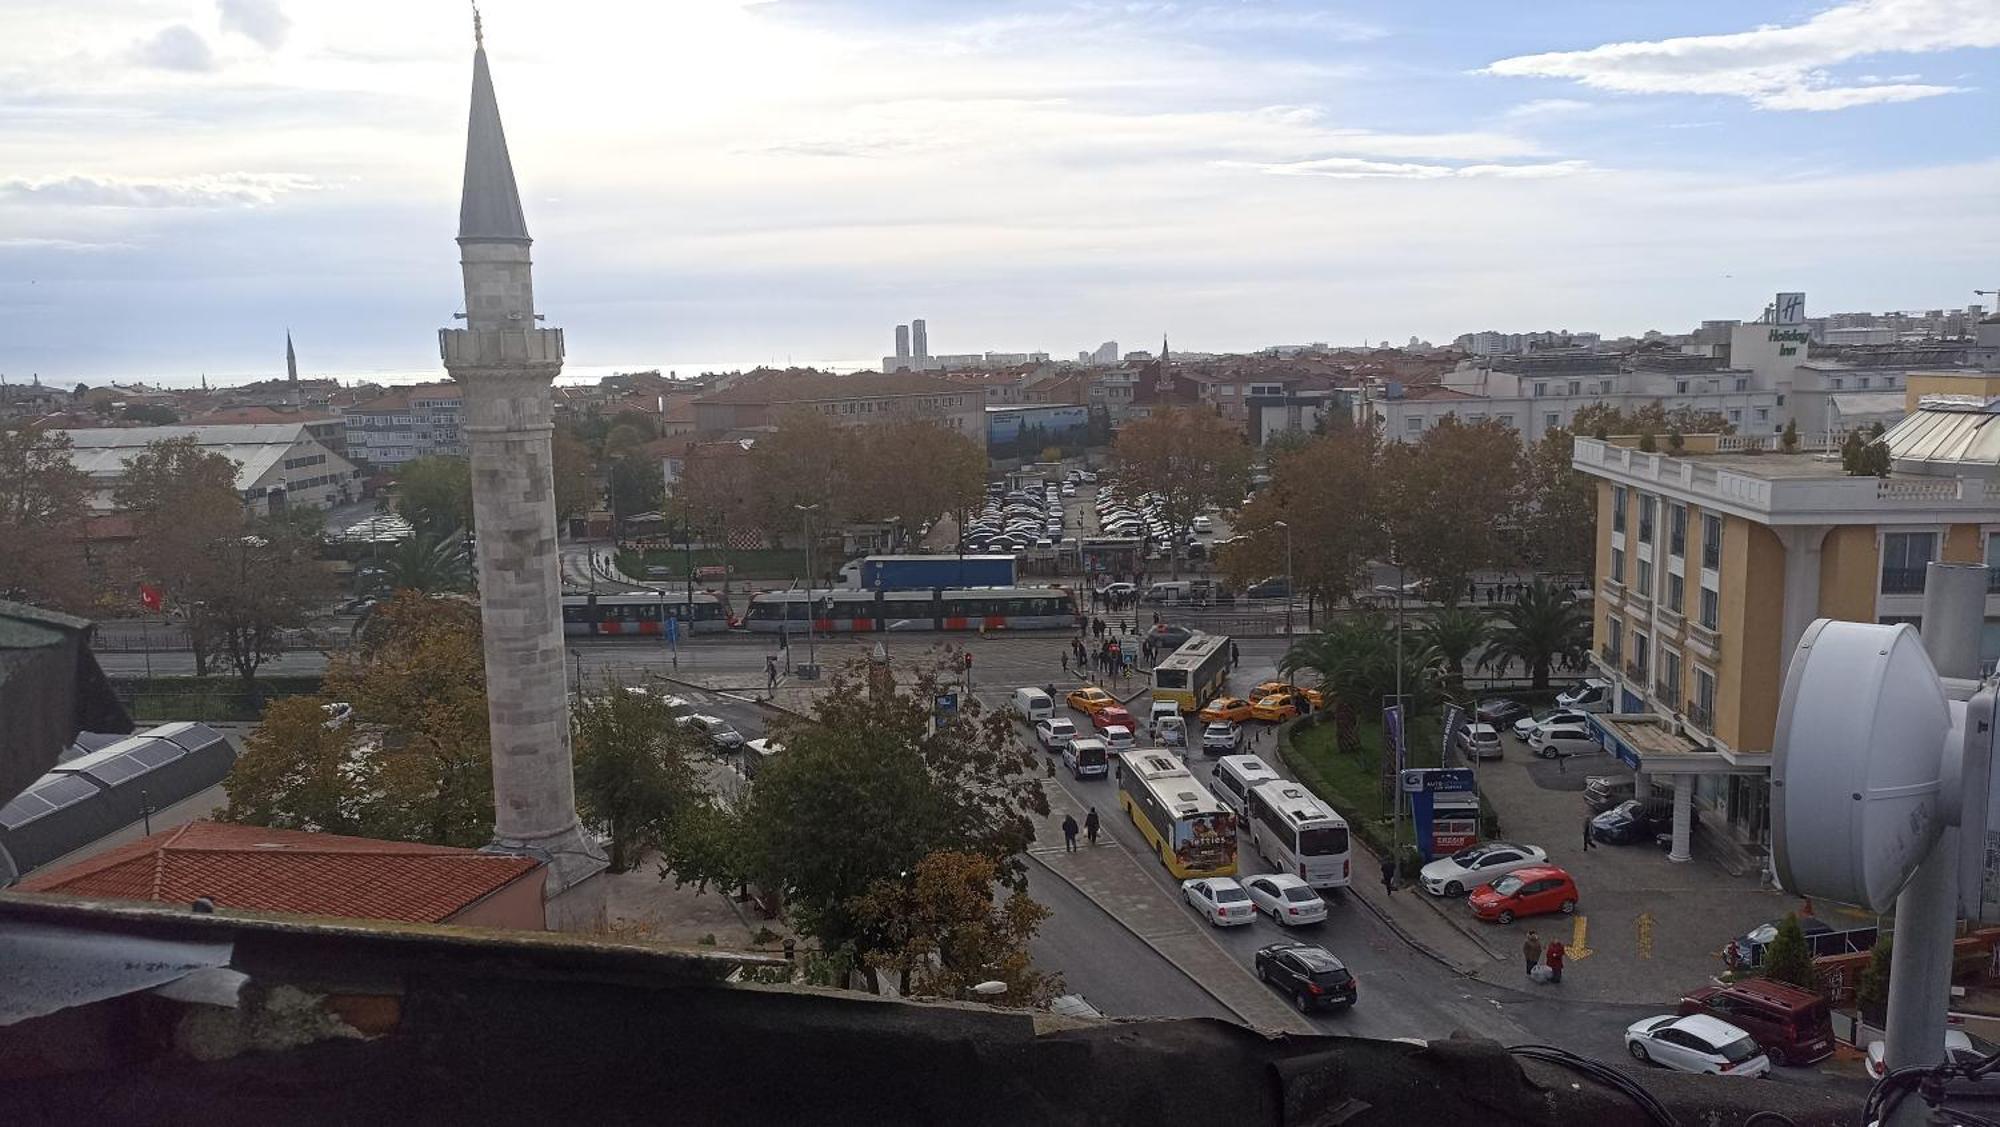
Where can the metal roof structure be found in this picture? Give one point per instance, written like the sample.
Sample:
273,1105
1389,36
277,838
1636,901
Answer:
1949,430
102,452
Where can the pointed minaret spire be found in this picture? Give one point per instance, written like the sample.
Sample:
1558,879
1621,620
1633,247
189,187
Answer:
291,371
490,207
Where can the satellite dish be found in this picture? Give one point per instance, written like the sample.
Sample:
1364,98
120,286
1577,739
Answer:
1857,765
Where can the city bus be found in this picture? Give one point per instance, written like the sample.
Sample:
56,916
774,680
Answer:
1194,834
1297,833
1194,674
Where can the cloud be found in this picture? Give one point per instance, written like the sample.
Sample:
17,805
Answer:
176,48
1355,168
1780,67
262,20
1549,107
229,189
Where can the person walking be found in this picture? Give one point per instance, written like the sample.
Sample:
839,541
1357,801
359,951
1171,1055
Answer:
1090,824
1065,660
1069,833
1235,656
1531,953
770,673
1555,960
1588,844
1388,862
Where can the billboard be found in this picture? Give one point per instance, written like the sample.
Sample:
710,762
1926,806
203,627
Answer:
1033,429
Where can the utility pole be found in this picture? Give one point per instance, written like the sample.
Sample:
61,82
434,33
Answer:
812,652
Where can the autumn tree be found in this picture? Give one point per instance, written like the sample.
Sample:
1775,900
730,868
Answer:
300,772
185,510
715,495
435,494
44,500
805,462
942,932
635,776
575,474
1600,420
1559,514
1329,492
260,585
914,470
1193,459
1453,499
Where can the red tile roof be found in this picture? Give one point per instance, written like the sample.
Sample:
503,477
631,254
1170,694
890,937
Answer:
806,385
290,871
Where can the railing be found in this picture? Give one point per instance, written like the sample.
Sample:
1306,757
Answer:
476,347
1636,672
1993,580
1610,655
1920,488
1907,580
1699,717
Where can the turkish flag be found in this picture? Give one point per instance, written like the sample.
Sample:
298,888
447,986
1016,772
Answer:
151,597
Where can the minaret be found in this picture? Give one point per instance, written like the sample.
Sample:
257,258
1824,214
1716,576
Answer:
291,371
505,363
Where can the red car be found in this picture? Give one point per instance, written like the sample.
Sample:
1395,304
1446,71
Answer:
1112,714
1533,891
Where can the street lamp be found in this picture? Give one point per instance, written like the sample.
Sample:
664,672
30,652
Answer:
812,658
1399,591
1288,574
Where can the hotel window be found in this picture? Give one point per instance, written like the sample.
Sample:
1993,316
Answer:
1414,424
1680,387
1763,414
1506,420
1645,520
1711,541
1838,383
1676,591
1736,414
1541,389
1711,608
1642,648
1618,565
1645,577
1905,556
1614,639
1677,530
1704,699
1864,383
1552,419
1576,387
1670,678
1617,508
1742,384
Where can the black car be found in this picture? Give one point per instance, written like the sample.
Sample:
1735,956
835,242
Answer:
1276,587
1313,977
1168,637
1501,712
1633,820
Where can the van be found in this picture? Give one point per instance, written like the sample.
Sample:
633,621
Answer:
1791,1025
1234,775
1086,758
1588,695
1034,704
1161,710
1169,593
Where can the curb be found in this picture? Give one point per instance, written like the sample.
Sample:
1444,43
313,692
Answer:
1156,949
1414,943
738,696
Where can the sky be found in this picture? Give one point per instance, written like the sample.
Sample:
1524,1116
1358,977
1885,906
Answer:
729,182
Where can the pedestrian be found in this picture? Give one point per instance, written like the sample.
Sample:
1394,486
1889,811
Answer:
1587,843
1388,863
1156,618
1555,958
1069,833
1090,824
1531,953
1065,660
1235,656
771,673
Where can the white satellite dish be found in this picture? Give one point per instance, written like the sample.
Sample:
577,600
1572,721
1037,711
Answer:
1858,763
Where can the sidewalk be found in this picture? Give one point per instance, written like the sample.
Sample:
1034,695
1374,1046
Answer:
1110,877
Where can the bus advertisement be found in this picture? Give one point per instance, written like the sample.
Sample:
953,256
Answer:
1194,834
1194,674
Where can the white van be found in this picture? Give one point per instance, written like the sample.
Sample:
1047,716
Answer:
1086,758
1033,704
1590,695
1161,710
1234,775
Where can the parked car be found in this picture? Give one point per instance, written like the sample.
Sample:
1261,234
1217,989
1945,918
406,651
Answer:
1220,899
1220,709
1526,725
1479,741
1532,891
1054,732
1477,865
1634,820
1203,525
1274,708
718,730
1696,1043
1112,716
1592,694
1117,737
1794,1026
1602,792
1559,740
1310,974
1500,712
1285,898
1221,737
1117,590
1087,758
1958,1049
1090,699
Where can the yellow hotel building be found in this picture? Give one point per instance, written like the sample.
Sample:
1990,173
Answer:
1713,560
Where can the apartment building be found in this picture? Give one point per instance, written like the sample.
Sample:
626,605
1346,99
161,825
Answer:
763,398
1711,563
405,424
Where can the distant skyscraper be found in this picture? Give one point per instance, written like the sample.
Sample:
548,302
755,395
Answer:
1107,353
902,346
920,342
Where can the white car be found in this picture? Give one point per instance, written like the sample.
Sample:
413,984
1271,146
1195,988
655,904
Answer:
1479,741
1558,740
1477,865
1203,524
337,713
1526,725
1696,1043
1221,899
1285,898
1117,590
1958,1049
1222,737
1054,733
1117,738
1591,694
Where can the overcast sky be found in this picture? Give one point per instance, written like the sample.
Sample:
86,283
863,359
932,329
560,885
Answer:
719,181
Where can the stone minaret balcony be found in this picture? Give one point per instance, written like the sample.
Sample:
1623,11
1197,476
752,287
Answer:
500,348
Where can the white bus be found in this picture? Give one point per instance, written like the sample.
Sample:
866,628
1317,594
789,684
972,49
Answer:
1297,833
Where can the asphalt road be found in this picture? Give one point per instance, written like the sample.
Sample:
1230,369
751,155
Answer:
1112,968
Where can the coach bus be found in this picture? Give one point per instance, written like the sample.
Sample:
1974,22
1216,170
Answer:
639,613
1297,833
1194,834
877,612
1194,674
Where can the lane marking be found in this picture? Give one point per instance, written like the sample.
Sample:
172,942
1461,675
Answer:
1579,930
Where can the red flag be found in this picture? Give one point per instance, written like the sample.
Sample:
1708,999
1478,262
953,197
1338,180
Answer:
151,597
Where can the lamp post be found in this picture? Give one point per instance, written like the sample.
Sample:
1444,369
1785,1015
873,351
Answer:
1400,587
1288,574
812,658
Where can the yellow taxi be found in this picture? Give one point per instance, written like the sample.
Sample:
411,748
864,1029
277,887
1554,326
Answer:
1090,699
1278,688
1273,708
1225,708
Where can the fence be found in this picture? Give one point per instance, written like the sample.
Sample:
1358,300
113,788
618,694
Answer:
205,698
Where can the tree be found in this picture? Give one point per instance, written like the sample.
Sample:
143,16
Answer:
1194,460
1328,490
1455,633
637,486
714,495
942,933
1356,660
1545,625
1602,419
298,771
435,494
150,414
914,470
1787,959
44,500
1454,495
1788,439
634,769
1871,989
1559,518
1864,454
575,475
805,462
184,508
260,585
427,563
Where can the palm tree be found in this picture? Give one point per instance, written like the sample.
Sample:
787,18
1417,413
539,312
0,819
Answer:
1455,633
1545,625
1356,662
430,564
